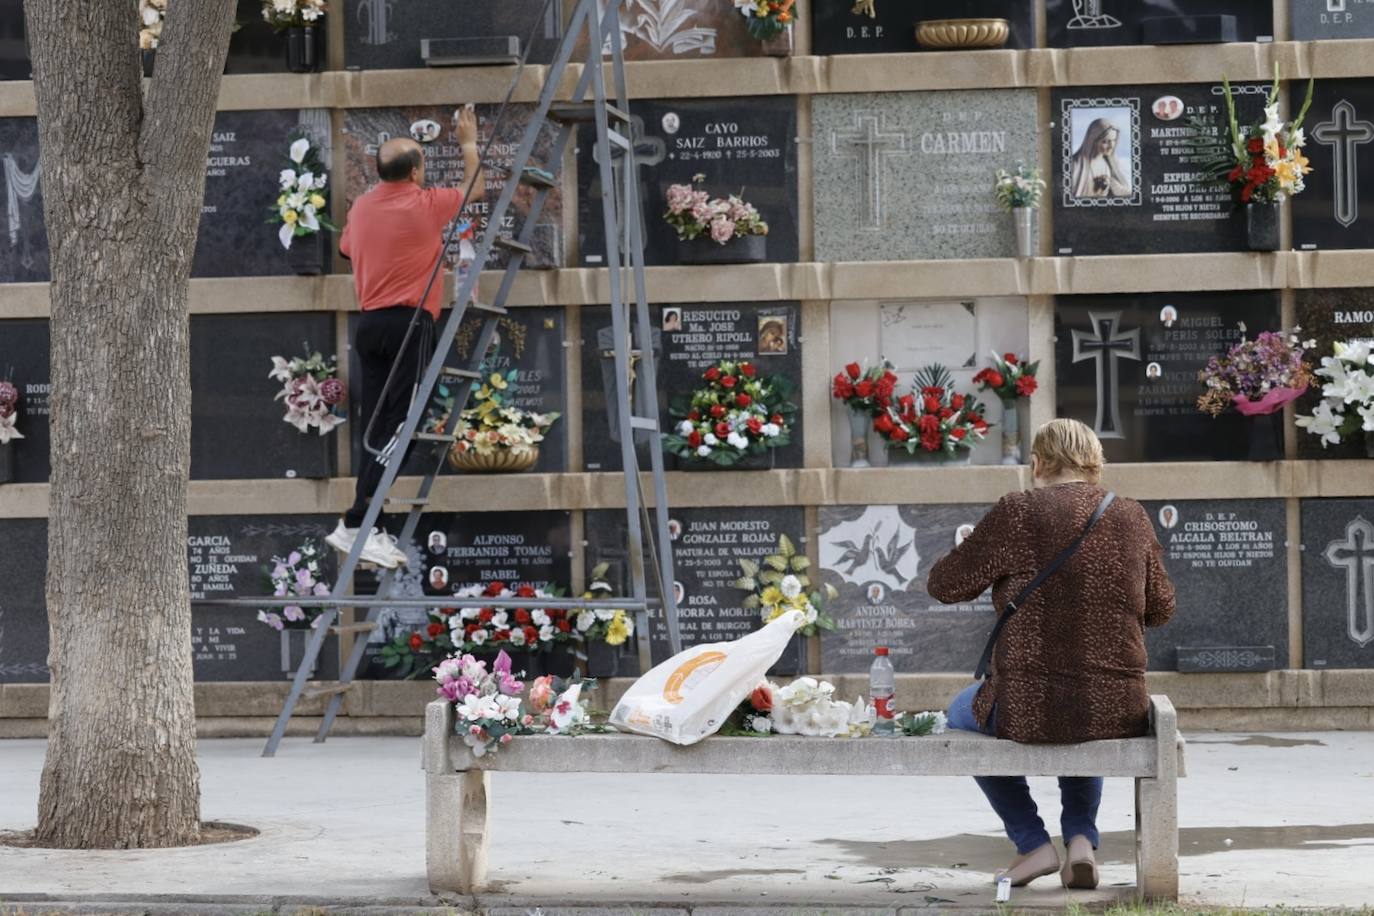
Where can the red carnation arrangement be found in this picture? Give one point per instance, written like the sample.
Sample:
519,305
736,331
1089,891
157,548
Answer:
1010,377
865,389
933,417
739,412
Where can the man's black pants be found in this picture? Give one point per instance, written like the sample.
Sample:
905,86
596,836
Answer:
378,342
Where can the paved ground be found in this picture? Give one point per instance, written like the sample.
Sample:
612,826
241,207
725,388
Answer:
1266,820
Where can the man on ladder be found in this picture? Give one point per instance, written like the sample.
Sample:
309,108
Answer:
394,237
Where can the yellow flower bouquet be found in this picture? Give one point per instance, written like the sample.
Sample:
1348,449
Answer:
779,584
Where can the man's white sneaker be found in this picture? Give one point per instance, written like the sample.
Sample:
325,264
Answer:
379,549
341,538
394,548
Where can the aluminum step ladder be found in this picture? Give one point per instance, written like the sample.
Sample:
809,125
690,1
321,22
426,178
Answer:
608,110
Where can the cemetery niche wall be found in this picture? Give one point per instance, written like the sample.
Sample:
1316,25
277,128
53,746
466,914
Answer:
1337,209
1318,19
1127,366
1126,175
1100,23
889,26
1338,583
908,175
393,34
741,146
23,605
366,129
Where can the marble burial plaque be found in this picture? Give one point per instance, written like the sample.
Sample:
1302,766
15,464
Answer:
14,49
1127,365
1316,19
888,26
1126,175
1338,583
1229,566
744,146
707,547
237,430
1099,23
248,150
23,239
386,34
688,339
230,556
365,129
878,558
680,30
23,606
530,341
1337,209
456,549
909,175
1328,316
24,362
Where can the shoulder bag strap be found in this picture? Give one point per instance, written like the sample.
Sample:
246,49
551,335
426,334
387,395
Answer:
1035,583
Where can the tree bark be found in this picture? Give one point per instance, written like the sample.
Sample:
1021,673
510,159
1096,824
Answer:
123,178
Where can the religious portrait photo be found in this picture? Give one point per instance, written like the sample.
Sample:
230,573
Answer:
1101,152
772,335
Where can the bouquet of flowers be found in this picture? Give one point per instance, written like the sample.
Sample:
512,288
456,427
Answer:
1347,404
1262,163
933,419
9,413
766,19
695,213
865,390
1257,376
1020,189
613,627
301,203
779,584
295,575
491,425
150,16
473,627
804,707
488,709
284,14
1009,378
738,413
312,391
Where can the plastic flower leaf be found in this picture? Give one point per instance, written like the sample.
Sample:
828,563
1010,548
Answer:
785,546
750,568
299,149
800,563
776,561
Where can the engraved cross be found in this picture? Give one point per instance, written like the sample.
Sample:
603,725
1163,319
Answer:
1343,133
1355,555
1105,344
872,148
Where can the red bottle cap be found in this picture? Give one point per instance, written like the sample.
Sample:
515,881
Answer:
880,650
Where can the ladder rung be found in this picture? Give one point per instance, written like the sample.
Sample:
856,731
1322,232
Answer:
451,372
538,178
352,628
618,139
329,691
404,501
488,308
644,423
511,244
584,112
428,437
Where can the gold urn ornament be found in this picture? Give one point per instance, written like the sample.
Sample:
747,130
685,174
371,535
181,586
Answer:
962,34
498,461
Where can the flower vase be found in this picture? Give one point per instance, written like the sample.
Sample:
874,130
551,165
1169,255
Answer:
302,49
605,660
306,254
859,423
293,652
1011,431
1265,433
1025,231
742,249
1262,227
921,456
780,45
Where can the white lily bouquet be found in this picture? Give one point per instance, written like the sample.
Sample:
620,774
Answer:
1347,405
303,199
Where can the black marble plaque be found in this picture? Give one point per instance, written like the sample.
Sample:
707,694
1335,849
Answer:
744,146
698,335
1316,19
1127,365
878,558
1229,565
23,607
1141,192
707,547
1337,209
530,341
386,34
846,27
1328,316
14,49
1100,23
453,550
365,129
1338,583
247,152
23,236
230,556
24,362
237,430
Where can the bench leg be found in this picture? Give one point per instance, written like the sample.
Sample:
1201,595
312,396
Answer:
456,831
1156,825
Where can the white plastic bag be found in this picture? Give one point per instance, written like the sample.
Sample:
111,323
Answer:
690,696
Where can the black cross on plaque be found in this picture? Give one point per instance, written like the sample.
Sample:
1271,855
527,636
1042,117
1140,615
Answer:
1355,555
649,151
1105,344
1343,133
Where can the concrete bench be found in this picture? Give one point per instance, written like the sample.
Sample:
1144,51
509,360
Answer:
457,784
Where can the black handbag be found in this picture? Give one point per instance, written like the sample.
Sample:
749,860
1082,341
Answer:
982,670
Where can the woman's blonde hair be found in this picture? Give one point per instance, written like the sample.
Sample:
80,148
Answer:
1068,447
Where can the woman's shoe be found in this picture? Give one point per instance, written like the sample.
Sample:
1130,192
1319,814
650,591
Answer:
1080,867
1035,864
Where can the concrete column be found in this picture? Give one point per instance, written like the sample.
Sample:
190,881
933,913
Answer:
1156,811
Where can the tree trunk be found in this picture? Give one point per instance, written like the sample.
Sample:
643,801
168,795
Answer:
123,182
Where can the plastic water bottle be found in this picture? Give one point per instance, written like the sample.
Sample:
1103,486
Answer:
882,687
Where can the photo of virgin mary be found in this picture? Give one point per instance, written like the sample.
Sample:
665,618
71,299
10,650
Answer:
1098,172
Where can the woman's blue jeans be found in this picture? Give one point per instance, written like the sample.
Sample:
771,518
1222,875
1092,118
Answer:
1010,795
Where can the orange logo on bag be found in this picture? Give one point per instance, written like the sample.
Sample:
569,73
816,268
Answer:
700,666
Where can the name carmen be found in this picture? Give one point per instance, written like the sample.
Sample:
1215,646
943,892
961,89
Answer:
956,142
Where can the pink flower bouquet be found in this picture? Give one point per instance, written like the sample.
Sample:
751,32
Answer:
694,213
